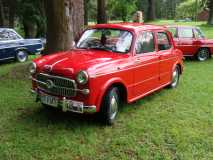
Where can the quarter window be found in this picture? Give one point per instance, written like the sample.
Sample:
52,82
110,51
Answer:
145,43
163,41
185,33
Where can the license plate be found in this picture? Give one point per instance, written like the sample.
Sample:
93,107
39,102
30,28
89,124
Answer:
49,100
75,106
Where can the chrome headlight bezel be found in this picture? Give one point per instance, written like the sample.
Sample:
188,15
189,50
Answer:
82,77
32,68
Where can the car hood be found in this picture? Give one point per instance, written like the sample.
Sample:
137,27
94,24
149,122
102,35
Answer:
71,62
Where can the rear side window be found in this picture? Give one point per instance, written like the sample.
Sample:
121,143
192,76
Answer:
185,33
145,43
163,41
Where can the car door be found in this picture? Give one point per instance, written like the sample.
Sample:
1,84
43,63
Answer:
167,58
186,41
146,64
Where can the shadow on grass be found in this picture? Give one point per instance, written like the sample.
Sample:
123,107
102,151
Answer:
44,116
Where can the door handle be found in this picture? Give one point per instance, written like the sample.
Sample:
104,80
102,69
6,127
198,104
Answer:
138,60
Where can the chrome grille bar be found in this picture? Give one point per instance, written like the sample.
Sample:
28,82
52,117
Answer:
59,86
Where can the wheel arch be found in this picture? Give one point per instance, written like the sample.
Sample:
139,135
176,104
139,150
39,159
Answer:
115,82
203,47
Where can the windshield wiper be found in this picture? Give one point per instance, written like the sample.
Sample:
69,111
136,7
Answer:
101,48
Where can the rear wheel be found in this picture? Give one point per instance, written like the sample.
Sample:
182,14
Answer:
21,56
110,105
175,77
203,54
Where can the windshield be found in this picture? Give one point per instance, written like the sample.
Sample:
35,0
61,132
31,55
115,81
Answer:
106,39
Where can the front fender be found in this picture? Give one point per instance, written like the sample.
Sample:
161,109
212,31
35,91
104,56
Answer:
105,87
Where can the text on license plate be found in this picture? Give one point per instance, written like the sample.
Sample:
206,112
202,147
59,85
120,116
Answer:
49,100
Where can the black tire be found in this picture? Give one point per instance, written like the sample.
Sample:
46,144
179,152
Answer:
203,54
21,56
175,77
110,105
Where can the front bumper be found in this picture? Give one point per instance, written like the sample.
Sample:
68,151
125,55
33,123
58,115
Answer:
64,104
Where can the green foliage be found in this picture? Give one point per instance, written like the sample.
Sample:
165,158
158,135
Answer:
189,9
121,9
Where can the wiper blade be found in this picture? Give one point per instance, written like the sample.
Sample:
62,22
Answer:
101,48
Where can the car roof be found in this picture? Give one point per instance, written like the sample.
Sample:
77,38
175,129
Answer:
179,26
1,29
130,26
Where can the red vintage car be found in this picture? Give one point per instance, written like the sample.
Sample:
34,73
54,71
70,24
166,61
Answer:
192,42
111,63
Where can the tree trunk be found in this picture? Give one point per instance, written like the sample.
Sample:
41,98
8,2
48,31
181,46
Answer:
151,10
12,12
64,22
210,20
86,12
2,16
101,14
30,29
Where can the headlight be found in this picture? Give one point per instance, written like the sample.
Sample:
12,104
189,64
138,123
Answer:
82,77
32,68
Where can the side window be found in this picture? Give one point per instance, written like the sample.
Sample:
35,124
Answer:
163,41
198,33
185,33
145,43
173,31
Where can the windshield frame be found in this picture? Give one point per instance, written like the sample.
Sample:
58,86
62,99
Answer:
110,28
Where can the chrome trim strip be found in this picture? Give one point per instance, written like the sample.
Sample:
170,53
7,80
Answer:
115,71
63,103
21,45
7,58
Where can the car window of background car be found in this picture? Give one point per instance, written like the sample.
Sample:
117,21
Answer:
198,33
163,41
185,33
112,39
8,35
173,31
145,43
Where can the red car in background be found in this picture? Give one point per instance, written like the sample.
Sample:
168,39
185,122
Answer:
192,42
111,63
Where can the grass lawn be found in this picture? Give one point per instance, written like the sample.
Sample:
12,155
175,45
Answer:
169,124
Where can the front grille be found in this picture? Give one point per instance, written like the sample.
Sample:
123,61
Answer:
56,85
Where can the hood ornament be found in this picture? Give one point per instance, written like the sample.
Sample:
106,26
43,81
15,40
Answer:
48,68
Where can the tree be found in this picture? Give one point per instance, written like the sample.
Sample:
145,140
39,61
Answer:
101,14
151,10
210,19
2,16
65,19
12,12
86,8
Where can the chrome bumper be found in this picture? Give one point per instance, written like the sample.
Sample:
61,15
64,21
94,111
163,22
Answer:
65,103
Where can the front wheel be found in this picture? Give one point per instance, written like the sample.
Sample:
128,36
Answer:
203,54
110,104
21,56
175,77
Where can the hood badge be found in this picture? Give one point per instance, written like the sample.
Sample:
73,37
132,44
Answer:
49,84
48,68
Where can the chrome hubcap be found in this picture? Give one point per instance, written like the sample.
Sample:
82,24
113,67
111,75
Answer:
113,108
22,56
175,77
203,55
